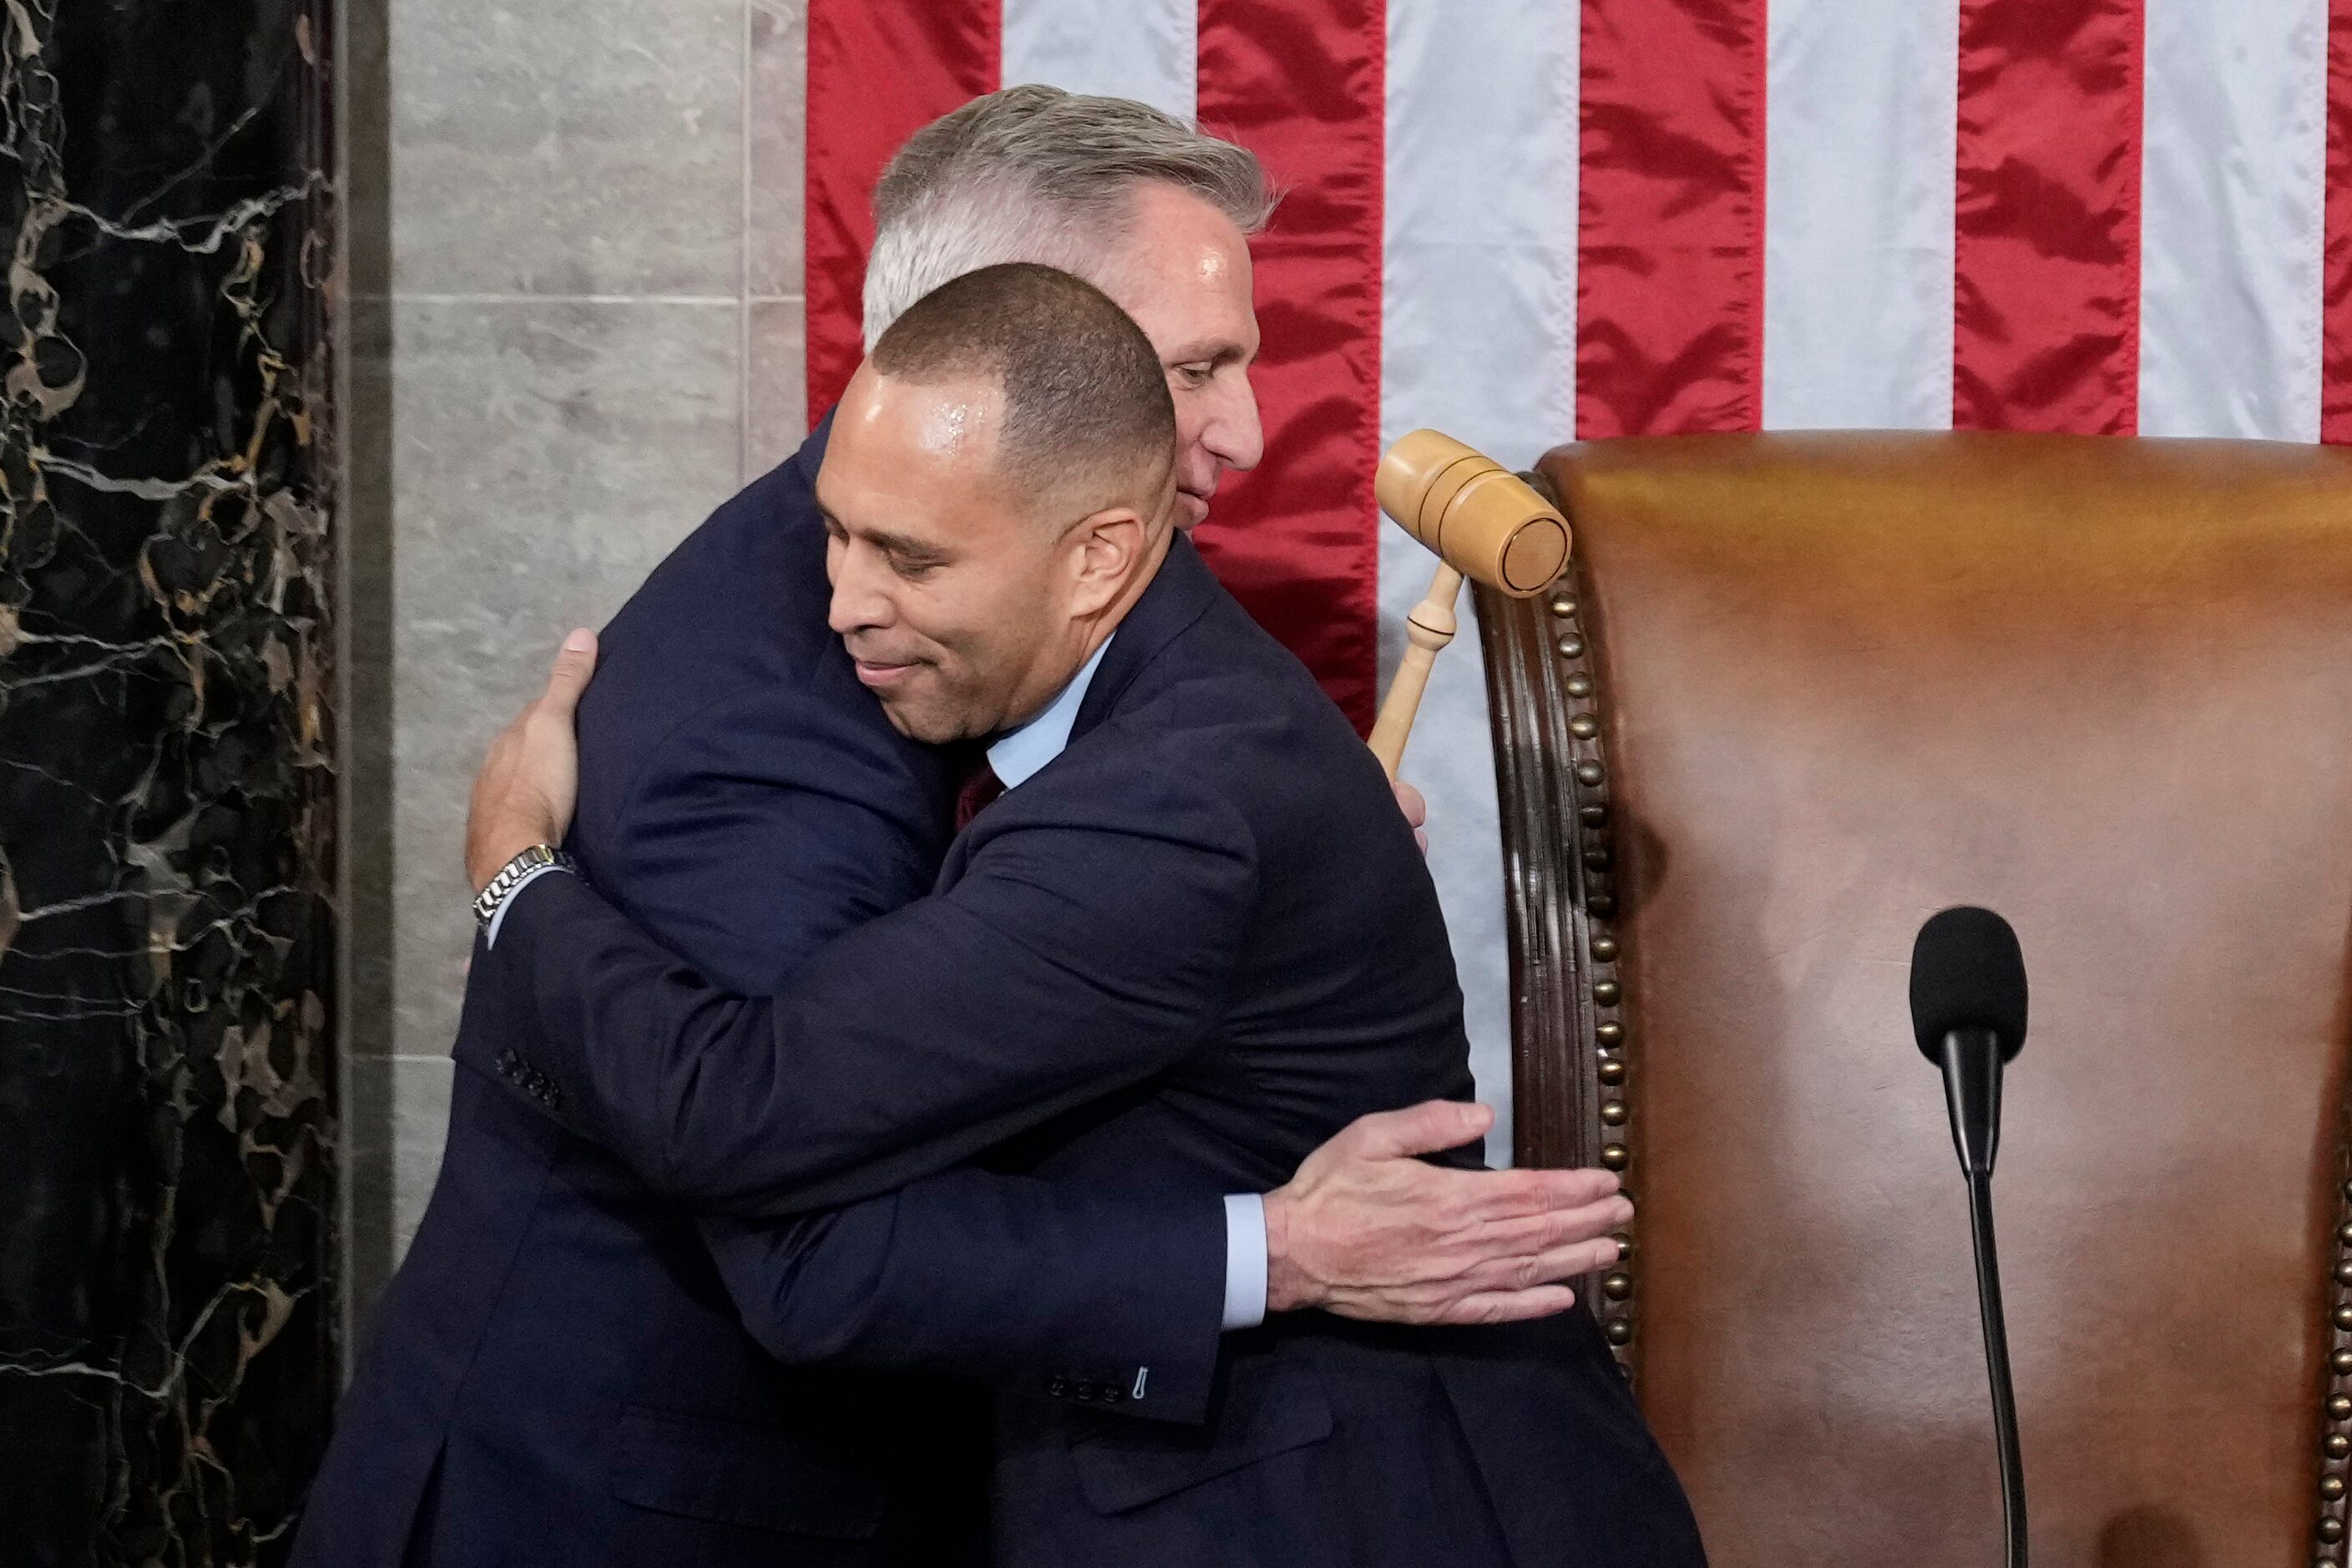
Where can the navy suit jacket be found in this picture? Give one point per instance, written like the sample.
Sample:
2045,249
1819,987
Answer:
559,1371
1189,949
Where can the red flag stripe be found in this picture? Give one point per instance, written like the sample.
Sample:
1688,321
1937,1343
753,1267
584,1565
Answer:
2046,284
1670,273
2336,332
878,72
1301,83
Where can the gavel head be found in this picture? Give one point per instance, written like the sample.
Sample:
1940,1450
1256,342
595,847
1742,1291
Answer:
1483,520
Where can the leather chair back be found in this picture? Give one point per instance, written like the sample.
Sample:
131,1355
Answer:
1797,693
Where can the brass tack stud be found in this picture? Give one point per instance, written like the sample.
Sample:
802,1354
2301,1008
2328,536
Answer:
1582,727
2344,1316
1593,814
1601,904
1590,775
1609,1034
2338,1445
1617,1286
1613,1113
1614,1070
1563,606
1597,856
2342,1362
1619,1331
2340,1407
2344,1233
2331,1487
1605,992
2344,1271
1604,948
1624,1246
2331,1529
1580,685
2348,1191
1614,1157
1569,647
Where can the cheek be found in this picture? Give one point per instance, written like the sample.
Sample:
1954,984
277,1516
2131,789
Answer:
1195,412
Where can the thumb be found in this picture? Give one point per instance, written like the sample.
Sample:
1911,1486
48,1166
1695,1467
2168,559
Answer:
575,661
1422,1129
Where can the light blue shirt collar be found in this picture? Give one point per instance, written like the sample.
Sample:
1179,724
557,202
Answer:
1017,757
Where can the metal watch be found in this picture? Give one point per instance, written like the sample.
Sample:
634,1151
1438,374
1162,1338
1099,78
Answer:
486,902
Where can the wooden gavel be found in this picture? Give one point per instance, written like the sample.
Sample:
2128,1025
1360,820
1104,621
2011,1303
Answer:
1485,524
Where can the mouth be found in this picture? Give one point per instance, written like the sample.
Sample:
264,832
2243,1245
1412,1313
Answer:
1192,507
880,675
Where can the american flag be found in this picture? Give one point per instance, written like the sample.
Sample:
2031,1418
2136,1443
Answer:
1521,221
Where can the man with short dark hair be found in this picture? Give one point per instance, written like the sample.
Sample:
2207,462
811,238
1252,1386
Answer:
560,1371
1181,937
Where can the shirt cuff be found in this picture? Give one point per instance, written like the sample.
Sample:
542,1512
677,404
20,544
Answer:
1245,1261
497,918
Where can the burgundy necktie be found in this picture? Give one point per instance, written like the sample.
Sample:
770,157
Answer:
980,787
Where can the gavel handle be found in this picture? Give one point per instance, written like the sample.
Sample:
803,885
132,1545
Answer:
1429,629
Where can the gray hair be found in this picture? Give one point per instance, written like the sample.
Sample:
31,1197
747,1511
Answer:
1036,174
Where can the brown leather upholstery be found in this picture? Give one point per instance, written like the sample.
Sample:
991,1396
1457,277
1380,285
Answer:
1833,684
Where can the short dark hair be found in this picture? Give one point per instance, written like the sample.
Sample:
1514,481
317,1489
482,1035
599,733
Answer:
1086,400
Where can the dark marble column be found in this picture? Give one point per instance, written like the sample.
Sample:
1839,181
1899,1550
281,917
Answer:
167,1083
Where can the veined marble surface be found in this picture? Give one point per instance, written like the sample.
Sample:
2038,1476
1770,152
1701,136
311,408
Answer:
167,1081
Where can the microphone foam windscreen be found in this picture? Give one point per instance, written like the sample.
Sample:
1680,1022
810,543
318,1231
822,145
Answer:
1967,973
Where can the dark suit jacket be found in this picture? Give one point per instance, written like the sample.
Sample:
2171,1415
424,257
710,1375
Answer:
1188,950
558,1355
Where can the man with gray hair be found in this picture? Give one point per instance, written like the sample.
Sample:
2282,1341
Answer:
560,1370
1152,212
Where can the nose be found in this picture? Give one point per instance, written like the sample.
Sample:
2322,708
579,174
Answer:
1233,434
858,601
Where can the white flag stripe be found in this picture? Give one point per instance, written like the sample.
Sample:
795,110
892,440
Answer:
1860,116
2232,215
1478,339
1143,49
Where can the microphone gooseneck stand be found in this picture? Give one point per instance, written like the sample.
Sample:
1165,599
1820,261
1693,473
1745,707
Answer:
1972,1084
2004,1401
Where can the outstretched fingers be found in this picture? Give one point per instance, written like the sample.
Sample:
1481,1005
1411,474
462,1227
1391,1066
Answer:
1429,1128
1507,1306
1516,1195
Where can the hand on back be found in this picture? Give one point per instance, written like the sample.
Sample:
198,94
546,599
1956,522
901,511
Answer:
1368,1230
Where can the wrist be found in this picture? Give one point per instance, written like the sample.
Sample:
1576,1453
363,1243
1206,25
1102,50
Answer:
1287,1288
496,851
509,878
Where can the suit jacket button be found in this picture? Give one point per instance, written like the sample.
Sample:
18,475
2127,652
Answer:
1058,1387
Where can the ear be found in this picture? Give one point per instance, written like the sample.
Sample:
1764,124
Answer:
1106,547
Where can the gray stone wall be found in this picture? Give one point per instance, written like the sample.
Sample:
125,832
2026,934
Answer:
577,327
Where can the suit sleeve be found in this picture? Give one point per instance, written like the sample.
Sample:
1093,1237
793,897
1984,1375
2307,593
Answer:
1007,1279
1089,942
1056,1292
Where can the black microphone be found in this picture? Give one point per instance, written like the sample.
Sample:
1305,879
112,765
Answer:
1967,1012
